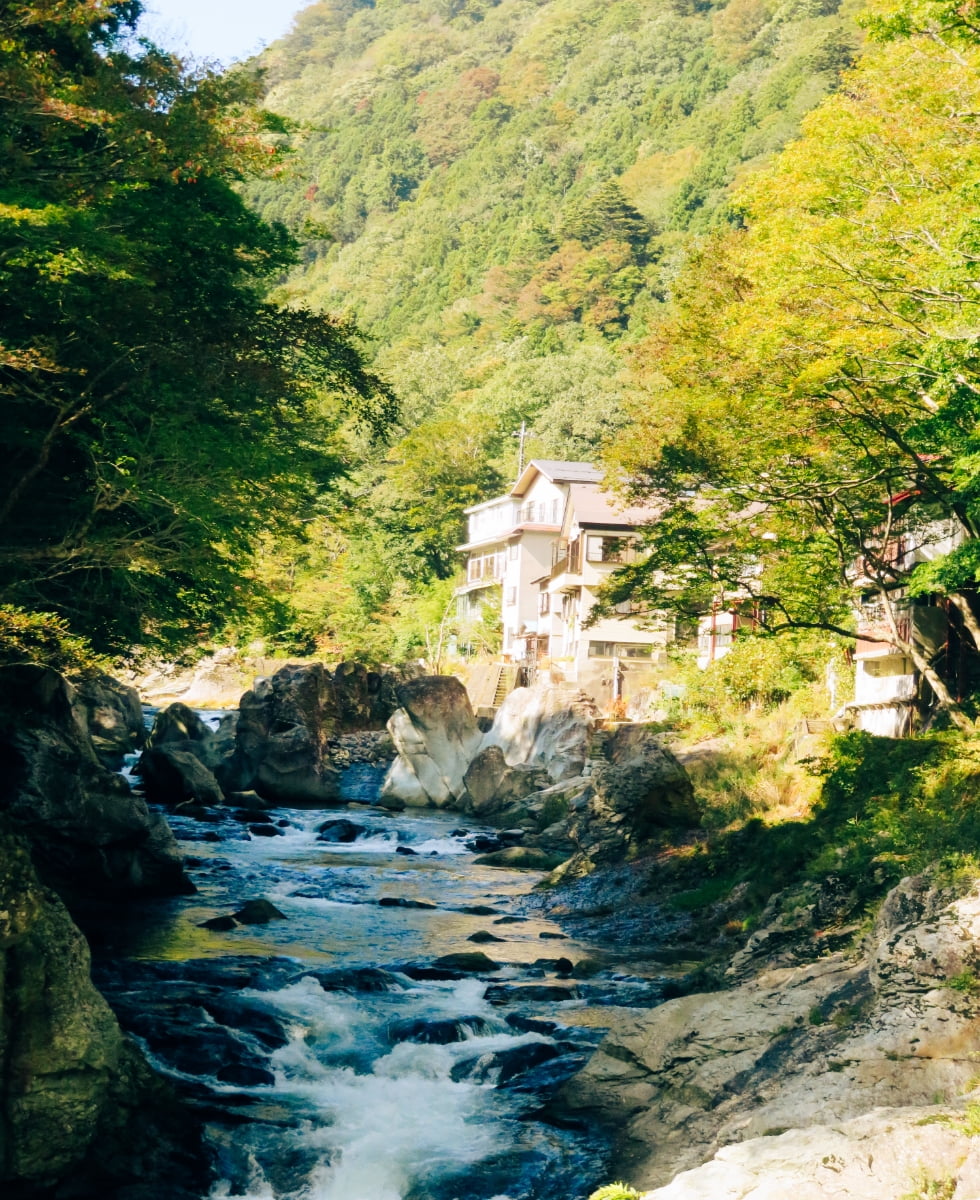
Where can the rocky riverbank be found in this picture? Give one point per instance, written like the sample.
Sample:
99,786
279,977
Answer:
852,1073
81,1113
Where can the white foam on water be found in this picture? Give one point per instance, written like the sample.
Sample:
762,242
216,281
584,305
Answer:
386,1131
257,1184
312,1015
380,1131
374,842
439,846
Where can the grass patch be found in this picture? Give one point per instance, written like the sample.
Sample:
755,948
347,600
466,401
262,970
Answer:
710,892
882,809
927,1187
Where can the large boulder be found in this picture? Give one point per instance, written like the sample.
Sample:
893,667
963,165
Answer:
284,726
635,792
546,726
437,737
643,782
365,699
88,832
493,786
112,714
177,724
73,1089
187,759
912,1153
175,777
805,1047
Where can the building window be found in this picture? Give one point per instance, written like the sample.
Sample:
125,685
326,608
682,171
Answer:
514,551
511,596
544,603
610,549
619,650
485,566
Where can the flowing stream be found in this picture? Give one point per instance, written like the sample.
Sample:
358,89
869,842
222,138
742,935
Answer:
331,1053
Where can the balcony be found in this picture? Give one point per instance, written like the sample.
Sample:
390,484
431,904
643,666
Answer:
874,631
925,625
492,521
540,512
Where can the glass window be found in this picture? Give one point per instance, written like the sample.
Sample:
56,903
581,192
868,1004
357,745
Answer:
619,650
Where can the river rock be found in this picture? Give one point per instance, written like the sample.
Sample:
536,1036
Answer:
176,724
493,786
630,798
499,1066
435,1032
365,699
284,726
474,961
796,1048
891,1152
437,738
258,912
547,727
112,714
88,833
340,830
72,1088
179,730
174,777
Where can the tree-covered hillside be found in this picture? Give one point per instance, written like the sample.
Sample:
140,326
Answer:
502,195
493,172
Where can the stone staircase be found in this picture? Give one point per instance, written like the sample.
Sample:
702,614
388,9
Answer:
506,679
597,750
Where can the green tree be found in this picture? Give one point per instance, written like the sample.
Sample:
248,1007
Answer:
158,413
813,398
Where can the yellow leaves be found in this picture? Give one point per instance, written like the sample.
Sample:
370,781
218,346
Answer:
651,182
46,215
735,26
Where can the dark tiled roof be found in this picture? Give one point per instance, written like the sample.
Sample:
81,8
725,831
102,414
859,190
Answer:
558,472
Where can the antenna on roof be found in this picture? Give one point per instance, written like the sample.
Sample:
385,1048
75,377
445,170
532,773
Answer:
522,434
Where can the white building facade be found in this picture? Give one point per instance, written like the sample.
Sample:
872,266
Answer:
548,545
509,546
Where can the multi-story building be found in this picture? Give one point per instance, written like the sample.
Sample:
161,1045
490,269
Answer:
548,545
888,689
611,657
509,546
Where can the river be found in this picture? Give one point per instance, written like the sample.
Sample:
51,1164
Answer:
330,1053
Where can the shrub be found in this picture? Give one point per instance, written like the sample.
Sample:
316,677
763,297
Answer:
46,640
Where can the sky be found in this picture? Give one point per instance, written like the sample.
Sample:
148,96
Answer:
218,29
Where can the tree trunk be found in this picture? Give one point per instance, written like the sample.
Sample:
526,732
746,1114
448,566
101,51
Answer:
925,667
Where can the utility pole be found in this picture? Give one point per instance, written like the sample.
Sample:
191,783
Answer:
522,434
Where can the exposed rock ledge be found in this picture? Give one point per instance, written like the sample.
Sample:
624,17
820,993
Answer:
810,1081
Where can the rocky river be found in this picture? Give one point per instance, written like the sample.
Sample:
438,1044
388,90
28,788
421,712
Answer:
334,987
396,1029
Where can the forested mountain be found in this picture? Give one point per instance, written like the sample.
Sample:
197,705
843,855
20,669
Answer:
501,194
